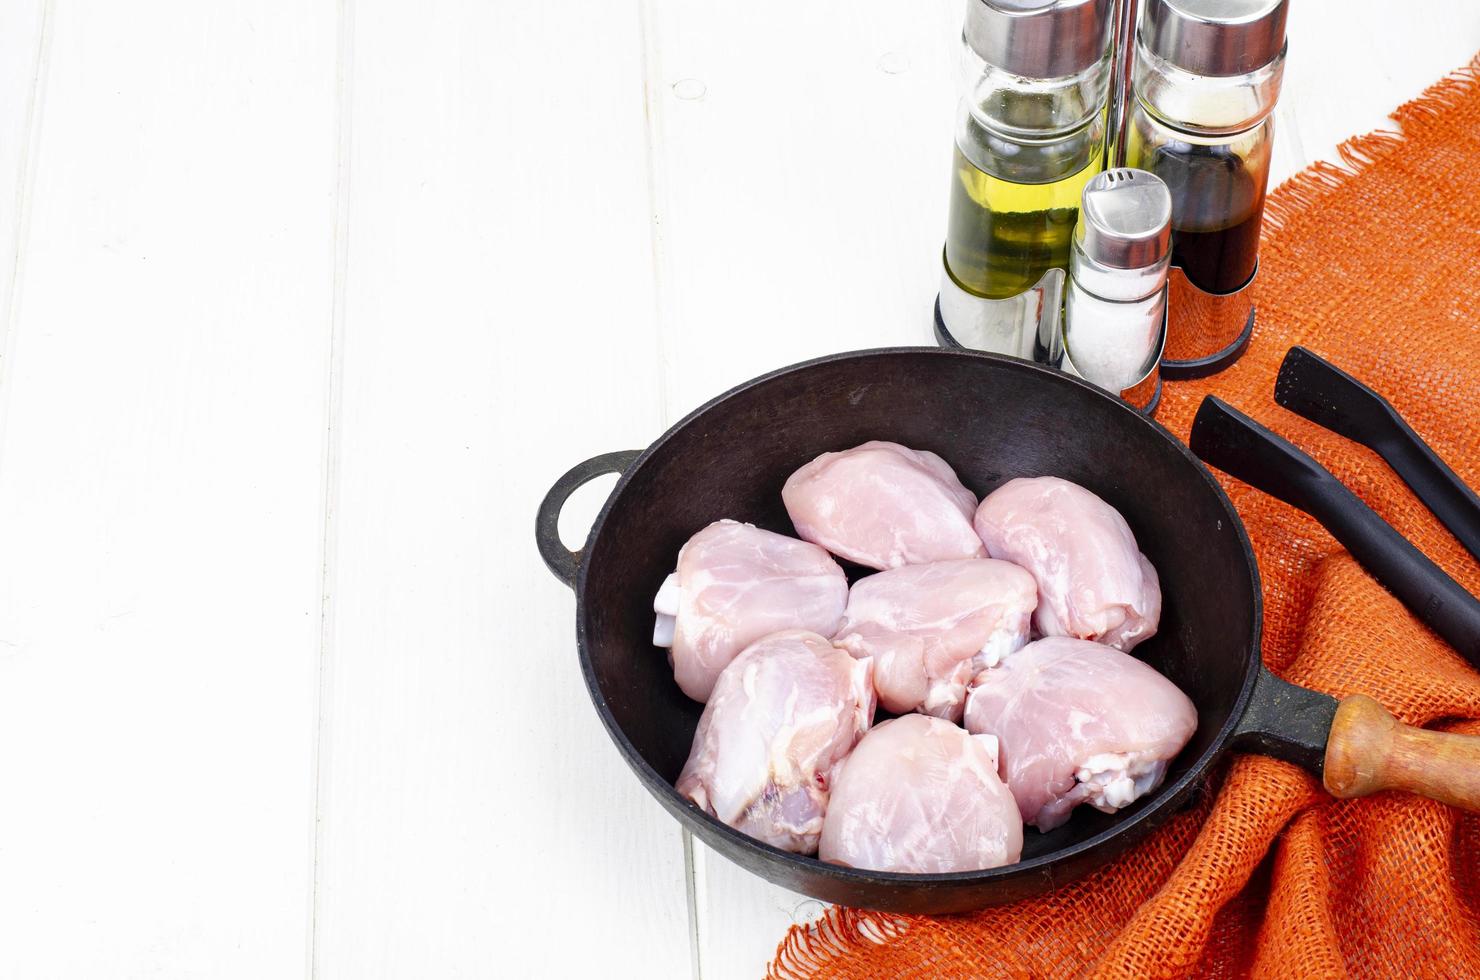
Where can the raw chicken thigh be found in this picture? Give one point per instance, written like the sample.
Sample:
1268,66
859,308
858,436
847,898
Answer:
883,506
783,714
736,583
930,628
920,795
1093,582
1079,723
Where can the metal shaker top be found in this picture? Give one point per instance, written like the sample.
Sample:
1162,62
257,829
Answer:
1039,38
1215,37
1125,220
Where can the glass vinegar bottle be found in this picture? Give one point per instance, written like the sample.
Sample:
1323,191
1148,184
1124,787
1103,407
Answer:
1209,138
1204,81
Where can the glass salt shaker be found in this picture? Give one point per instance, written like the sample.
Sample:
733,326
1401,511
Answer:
1205,80
1115,312
1030,134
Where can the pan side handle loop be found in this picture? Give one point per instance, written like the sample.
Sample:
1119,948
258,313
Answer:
562,562
1371,751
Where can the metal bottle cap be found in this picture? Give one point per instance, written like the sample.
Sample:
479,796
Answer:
1125,220
1215,37
1039,38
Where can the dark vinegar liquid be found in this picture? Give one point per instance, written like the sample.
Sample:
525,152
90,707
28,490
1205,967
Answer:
1217,210
1219,261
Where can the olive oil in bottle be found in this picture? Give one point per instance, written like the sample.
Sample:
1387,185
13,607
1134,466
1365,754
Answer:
1003,235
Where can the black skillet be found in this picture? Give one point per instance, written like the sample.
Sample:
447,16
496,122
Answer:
992,418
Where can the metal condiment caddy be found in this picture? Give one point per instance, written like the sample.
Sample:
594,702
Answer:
1063,89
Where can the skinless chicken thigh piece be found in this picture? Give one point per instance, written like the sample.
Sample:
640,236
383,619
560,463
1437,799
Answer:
931,628
783,714
1093,582
883,506
920,795
1079,723
736,583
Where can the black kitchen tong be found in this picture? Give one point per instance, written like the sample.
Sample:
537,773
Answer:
1329,397
1224,437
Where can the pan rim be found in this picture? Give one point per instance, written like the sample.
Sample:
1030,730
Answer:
1125,832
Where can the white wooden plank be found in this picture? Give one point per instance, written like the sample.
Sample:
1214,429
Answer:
741,919
160,494
802,196
21,95
498,328
802,205
1350,66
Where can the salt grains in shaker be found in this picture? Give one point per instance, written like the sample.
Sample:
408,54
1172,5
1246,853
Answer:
1115,314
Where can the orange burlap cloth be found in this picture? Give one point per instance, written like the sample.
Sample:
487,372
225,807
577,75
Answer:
1374,264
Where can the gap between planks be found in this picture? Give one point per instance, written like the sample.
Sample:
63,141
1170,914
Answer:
664,314
664,317
21,214
334,388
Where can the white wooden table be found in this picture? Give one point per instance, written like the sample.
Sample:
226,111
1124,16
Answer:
305,305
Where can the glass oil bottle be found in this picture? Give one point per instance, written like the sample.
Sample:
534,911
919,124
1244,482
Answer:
1030,135
1204,82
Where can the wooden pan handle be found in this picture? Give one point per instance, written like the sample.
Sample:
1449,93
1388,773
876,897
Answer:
1369,750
